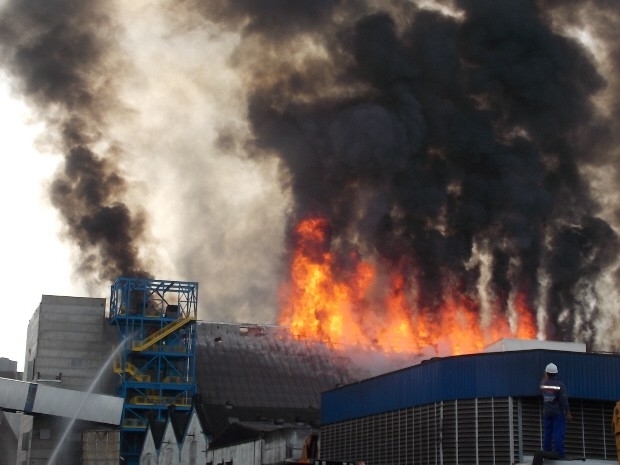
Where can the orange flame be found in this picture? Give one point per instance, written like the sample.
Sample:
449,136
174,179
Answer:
357,307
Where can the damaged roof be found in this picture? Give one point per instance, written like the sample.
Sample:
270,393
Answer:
249,372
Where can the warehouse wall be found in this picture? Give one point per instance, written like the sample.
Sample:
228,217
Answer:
473,431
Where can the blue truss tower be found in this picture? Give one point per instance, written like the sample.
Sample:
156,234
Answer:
156,321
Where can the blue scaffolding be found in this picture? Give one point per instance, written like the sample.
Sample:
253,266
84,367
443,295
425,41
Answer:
156,320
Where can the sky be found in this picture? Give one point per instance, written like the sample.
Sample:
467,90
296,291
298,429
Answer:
35,261
465,149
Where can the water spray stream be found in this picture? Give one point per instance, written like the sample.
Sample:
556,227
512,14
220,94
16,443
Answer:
104,367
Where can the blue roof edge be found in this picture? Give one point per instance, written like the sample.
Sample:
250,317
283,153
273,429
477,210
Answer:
587,375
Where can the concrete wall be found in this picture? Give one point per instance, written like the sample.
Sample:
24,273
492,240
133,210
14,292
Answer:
48,432
195,444
169,451
191,450
72,343
7,365
275,447
45,436
248,453
101,447
23,439
32,341
8,441
284,444
68,343
8,369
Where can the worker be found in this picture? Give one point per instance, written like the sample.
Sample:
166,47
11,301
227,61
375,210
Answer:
615,423
556,412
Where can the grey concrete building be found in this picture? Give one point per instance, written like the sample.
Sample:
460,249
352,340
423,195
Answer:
8,369
256,443
247,374
68,345
67,342
180,440
9,422
8,440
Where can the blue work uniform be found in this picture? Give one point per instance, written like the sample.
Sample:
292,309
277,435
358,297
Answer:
555,408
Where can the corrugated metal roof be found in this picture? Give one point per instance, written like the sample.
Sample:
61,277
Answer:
254,365
592,376
248,371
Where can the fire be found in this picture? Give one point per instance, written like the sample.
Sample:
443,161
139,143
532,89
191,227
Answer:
358,306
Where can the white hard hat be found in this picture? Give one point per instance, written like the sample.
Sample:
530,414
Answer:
552,368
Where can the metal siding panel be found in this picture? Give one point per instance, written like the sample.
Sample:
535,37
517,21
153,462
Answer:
466,432
80,405
13,394
597,376
370,393
340,404
380,394
498,374
426,383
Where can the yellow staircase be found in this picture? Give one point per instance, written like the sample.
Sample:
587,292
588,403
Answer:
132,370
139,346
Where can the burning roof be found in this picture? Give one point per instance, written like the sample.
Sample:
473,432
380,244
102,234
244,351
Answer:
458,158
259,373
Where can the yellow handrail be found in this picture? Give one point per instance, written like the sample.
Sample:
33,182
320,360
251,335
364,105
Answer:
132,370
139,346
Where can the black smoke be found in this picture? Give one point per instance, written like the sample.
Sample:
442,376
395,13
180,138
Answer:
64,56
426,136
422,135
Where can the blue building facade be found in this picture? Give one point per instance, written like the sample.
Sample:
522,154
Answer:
481,408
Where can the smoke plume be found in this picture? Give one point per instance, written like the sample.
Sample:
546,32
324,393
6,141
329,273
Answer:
65,57
460,143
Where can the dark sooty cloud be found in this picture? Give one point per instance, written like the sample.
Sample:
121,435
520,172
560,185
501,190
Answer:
426,137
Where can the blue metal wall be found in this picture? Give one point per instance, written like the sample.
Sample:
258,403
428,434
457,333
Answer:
591,376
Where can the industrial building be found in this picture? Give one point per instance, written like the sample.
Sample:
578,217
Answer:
194,392
260,389
178,440
9,422
68,345
150,353
478,409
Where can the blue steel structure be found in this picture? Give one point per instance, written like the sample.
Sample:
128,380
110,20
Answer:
156,321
